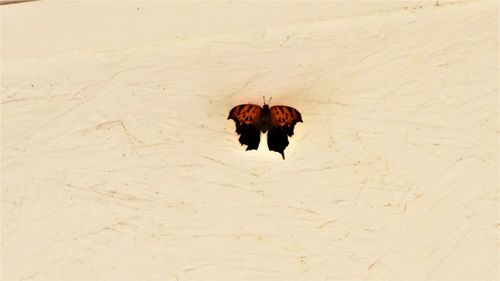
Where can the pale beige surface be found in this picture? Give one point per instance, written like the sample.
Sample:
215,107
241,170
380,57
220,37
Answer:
118,162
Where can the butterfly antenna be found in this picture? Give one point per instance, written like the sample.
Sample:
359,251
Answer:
264,98
270,100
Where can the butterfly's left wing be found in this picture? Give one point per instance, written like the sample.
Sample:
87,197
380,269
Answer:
283,120
247,118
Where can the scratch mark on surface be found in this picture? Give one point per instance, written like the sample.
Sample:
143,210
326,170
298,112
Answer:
227,165
39,219
112,194
326,223
448,253
52,240
112,227
56,118
303,210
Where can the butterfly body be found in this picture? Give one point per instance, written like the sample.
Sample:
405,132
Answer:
265,119
278,121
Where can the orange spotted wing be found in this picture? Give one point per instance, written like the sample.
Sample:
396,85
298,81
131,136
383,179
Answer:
251,119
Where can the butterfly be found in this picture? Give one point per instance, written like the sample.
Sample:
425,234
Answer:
251,119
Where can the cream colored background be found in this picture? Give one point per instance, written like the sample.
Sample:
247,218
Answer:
118,162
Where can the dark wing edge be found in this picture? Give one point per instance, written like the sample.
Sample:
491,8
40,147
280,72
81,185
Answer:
249,135
277,140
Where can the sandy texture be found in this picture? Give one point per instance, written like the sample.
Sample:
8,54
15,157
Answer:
118,162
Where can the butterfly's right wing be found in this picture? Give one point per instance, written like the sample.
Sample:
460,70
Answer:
247,118
283,120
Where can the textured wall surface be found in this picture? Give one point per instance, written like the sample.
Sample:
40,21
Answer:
118,162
